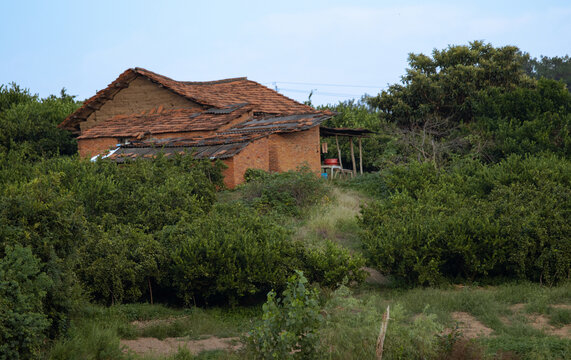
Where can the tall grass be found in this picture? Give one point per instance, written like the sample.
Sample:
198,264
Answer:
335,219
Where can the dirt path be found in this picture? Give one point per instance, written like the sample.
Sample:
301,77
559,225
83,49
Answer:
470,326
170,346
541,322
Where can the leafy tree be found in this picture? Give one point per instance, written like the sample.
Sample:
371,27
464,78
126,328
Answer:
47,218
438,93
12,95
23,287
524,121
556,68
29,125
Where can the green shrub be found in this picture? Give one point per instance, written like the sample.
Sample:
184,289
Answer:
371,184
475,221
331,265
229,254
28,125
290,324
287,193
23,287
119,264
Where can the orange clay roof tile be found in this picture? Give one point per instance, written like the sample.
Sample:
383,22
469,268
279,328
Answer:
209,94
171,121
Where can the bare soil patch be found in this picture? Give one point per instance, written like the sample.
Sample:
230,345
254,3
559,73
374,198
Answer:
561,306
541,322
470,326
169,346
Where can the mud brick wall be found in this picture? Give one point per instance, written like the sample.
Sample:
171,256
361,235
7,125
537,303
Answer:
289,151
141,95
254,156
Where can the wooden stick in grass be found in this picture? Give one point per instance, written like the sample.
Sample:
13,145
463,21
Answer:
382,333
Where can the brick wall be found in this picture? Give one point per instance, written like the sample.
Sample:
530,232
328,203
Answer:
229,173
141,95
92,147
254,156
288,151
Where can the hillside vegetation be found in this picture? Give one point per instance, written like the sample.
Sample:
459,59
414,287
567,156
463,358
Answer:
463,217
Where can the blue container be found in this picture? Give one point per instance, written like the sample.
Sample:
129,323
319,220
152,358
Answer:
324,175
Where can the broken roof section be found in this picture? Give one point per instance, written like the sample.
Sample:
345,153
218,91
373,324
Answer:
158,121
209,94
221,145
280,124
213,147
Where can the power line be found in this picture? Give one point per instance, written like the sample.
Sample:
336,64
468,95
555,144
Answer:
322,84
317,92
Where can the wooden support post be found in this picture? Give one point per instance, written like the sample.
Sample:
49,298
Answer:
360,157
338,151
353,158
382,333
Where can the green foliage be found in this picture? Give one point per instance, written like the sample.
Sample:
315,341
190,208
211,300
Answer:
256,175
44,216
443,87
287,193
474,100
290,324
473,222
230,254
415,339
118,264
95,341
332,264
371,184
29,125
556,68
23,287
526,120
12,94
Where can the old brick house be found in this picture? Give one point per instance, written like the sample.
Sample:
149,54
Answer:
239,121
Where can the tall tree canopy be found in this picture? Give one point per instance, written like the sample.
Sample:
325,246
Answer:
443,86
444,105
556,68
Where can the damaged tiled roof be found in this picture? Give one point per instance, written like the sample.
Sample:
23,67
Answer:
210,94
218,147
169,121
280,124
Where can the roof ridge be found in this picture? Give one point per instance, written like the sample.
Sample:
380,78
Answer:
142,71
221,81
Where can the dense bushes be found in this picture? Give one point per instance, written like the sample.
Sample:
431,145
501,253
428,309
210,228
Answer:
285,193
234,253
473,221
230,254
22,290
91,226
526,120
28,124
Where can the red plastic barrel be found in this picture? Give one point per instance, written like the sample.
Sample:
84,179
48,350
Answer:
331,161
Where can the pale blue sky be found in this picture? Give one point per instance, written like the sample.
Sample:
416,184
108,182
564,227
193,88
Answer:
298,45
